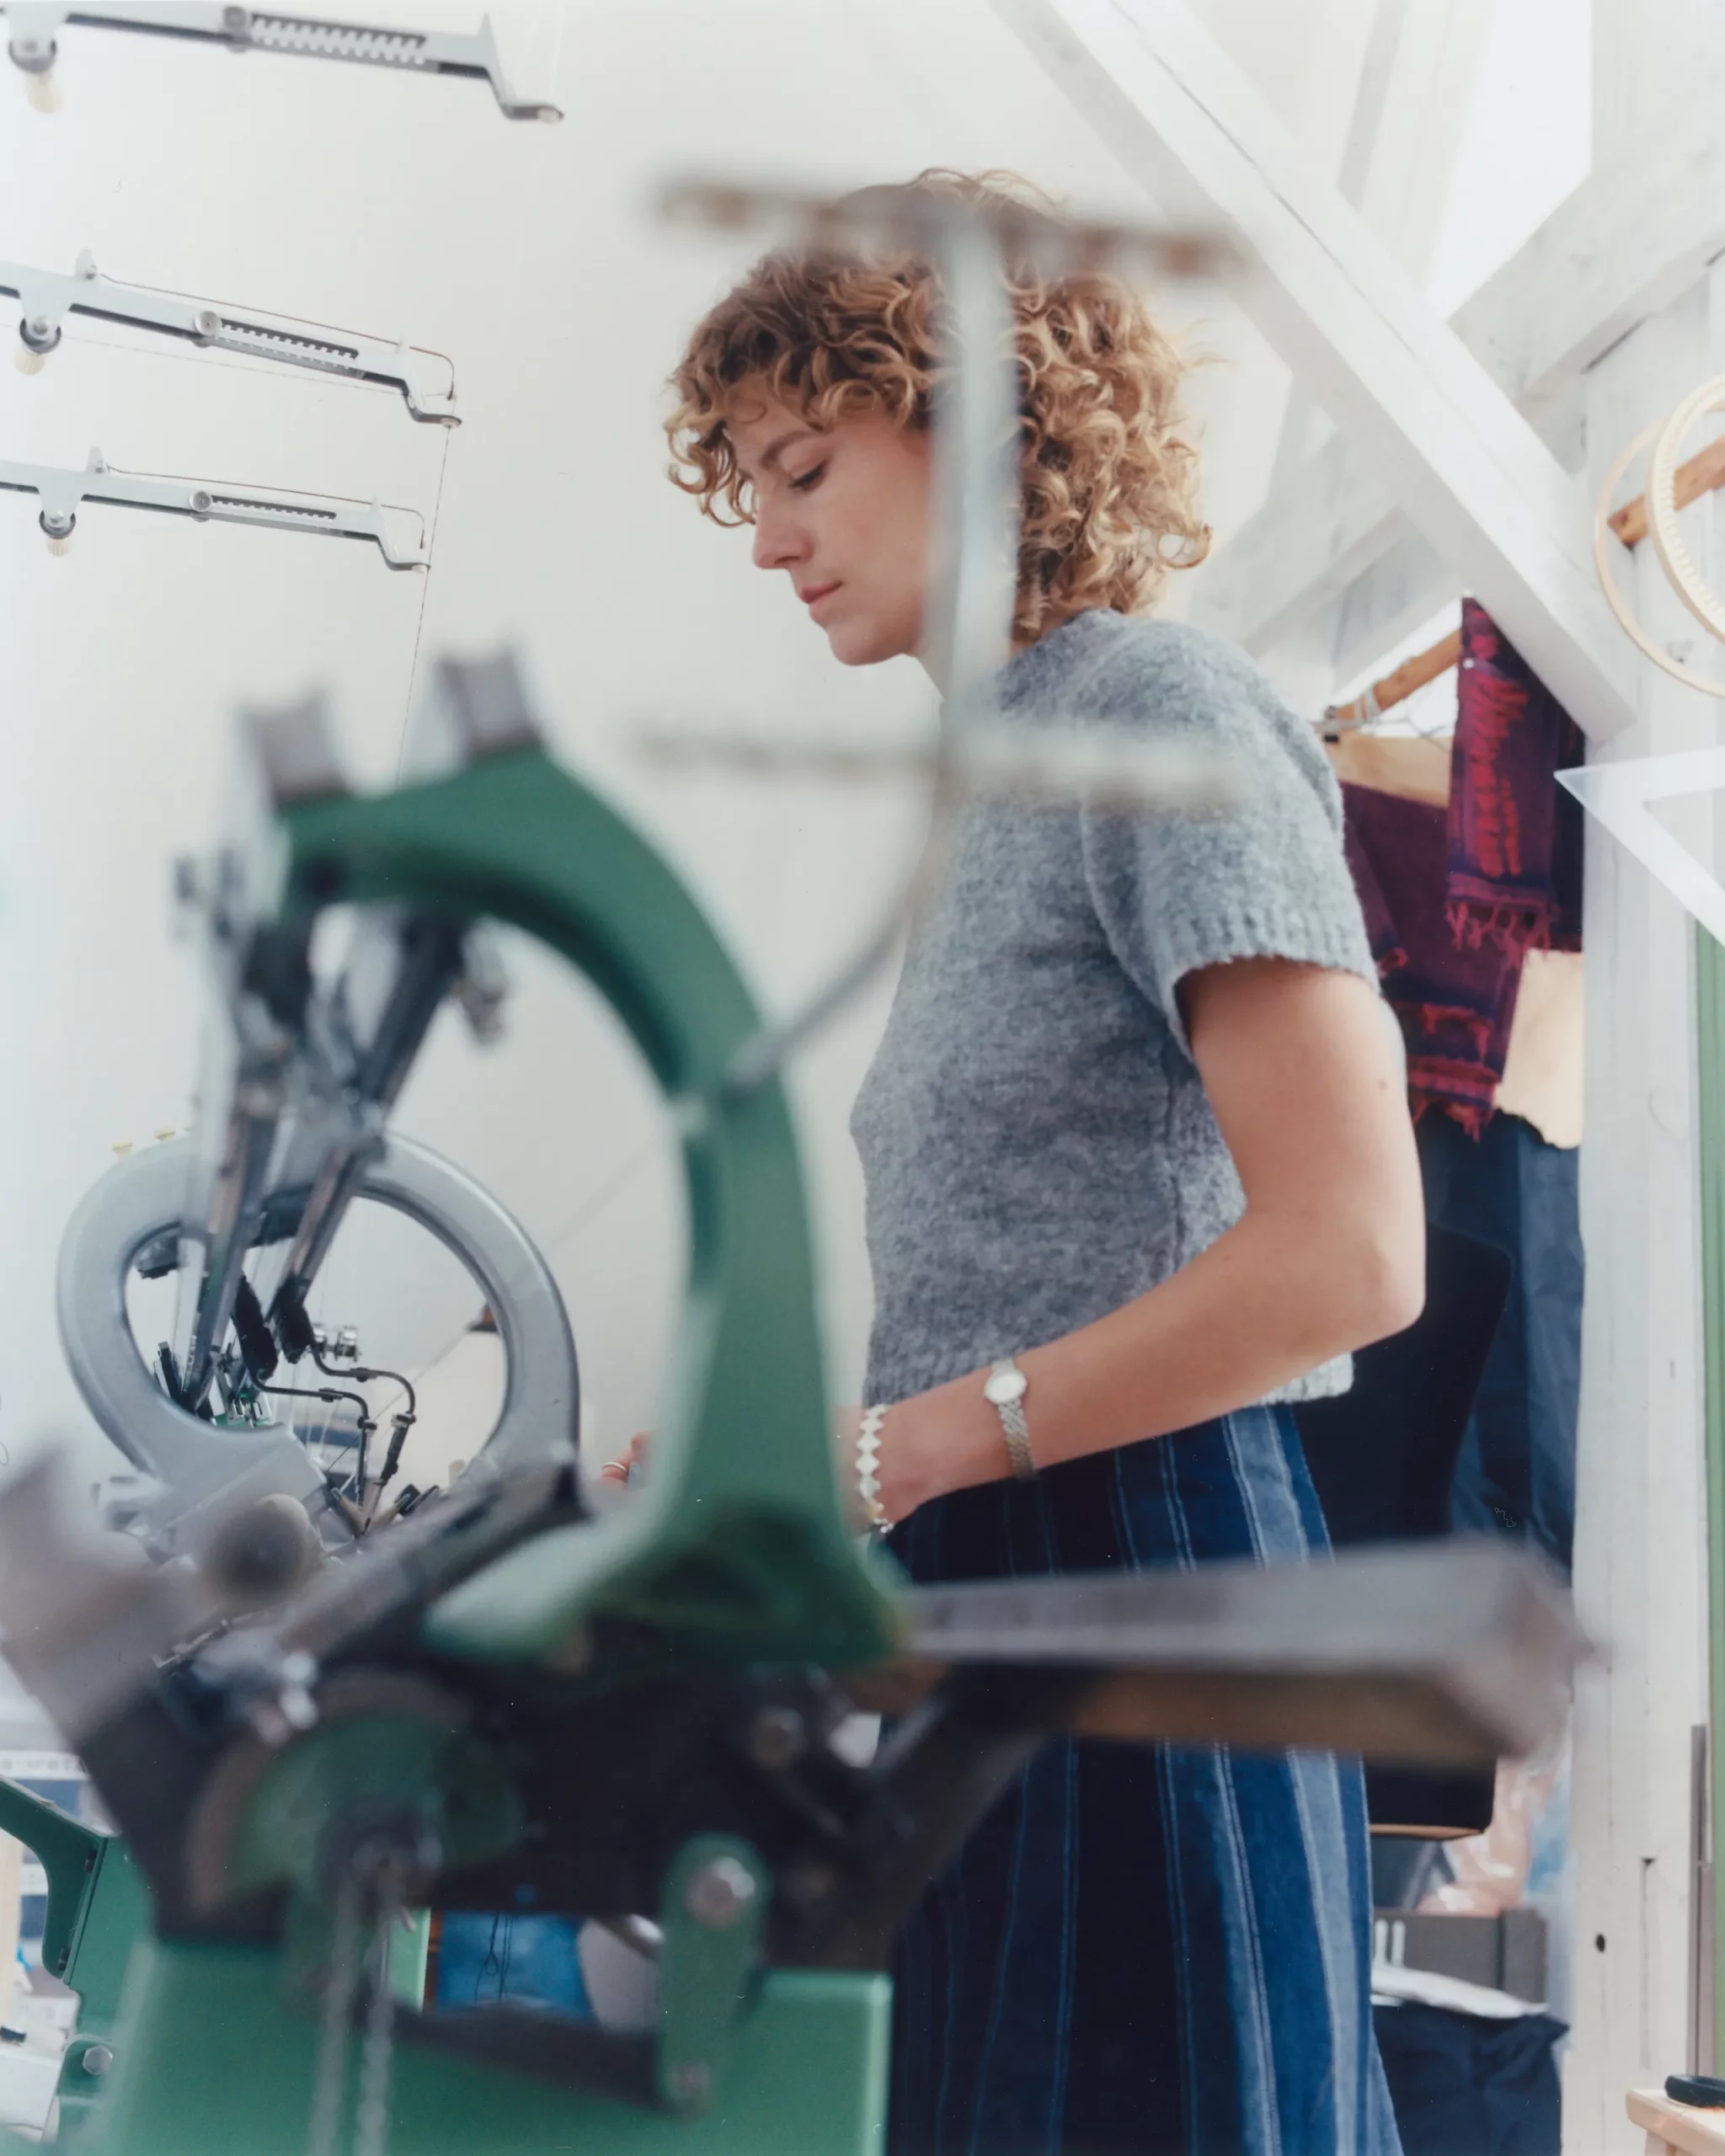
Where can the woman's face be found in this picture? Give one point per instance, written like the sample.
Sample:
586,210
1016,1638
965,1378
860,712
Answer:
844,512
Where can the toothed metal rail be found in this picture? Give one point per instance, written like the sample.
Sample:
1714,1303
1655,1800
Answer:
34,26
46,298
62,490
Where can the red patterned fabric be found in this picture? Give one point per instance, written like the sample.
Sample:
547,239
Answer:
1454,1001
1454,899
1514,836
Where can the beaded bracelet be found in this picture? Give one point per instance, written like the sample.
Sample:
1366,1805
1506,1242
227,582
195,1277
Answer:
868,1467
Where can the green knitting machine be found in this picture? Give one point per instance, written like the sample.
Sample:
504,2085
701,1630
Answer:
310,1736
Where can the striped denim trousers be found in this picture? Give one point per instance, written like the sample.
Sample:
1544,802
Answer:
1142,1948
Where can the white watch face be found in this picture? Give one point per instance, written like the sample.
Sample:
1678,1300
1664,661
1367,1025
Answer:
1004,1385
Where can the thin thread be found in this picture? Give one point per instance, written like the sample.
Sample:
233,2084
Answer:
255,486
305,321
490,1961
430,530
173,344
596,1203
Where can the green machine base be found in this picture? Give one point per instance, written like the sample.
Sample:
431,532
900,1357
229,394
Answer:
210,2063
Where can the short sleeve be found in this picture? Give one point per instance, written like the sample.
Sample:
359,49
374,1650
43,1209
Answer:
1264,879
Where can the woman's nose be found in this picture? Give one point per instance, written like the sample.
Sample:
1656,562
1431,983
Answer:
779,540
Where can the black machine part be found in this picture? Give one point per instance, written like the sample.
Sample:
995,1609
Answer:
1701,2089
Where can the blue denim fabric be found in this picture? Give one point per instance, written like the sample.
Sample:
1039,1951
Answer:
1516,1474
529,1961
1466,2087
1143,1948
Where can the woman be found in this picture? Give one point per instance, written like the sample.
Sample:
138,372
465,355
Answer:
1140,1174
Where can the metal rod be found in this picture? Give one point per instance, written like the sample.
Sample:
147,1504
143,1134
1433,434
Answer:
972,587
1396,687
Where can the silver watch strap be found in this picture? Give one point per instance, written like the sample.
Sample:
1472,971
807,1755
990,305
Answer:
1005,1388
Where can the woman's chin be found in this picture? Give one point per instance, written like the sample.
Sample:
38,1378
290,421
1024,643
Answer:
857,644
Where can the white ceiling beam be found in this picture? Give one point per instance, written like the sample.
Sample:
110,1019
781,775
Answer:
1403,140
1633,238
1402,591
1402,184
1648,56
1469,470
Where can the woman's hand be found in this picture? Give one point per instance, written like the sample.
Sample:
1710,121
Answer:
899,1493
617,1471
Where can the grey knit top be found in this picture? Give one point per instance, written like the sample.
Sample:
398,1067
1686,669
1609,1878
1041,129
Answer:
1036,1142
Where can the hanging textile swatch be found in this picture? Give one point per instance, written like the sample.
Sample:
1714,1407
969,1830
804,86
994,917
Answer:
1514,835
1455,1001
1455,898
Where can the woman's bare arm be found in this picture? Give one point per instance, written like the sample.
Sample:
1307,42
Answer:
1306,1084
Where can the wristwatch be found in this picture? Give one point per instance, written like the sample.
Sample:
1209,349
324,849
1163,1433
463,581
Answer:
1005,1388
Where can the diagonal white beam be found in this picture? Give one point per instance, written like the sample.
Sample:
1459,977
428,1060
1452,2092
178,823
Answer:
1469,471
1633,237
1404,185
1406,134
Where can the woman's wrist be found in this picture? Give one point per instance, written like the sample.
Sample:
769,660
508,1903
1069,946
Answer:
896,1456
937,1442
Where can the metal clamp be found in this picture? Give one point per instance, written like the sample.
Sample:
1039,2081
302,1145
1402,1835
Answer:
34,44
213,501
46,298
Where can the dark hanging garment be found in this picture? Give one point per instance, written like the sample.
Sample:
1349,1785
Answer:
1454,900
1466,2086
1383,1457
1507,1187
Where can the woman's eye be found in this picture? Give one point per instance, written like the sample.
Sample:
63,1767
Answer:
806,481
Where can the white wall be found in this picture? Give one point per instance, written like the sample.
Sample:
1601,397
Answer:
361,199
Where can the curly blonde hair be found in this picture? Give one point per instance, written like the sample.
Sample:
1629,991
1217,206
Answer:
1109,483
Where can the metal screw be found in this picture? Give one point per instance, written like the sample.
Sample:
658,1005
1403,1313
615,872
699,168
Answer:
97,2058
691,2083
57,523
778,1738
808,1885
237,21
35,55
206,322
200,503
719,1892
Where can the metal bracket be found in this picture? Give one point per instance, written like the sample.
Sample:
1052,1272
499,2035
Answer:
35,25
715,1896
213,501
46,298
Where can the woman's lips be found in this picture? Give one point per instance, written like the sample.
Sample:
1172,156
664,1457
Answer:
814,600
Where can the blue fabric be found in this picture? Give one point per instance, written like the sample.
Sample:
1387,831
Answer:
1142,1948
1466,2087
529,1961
1516,1473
